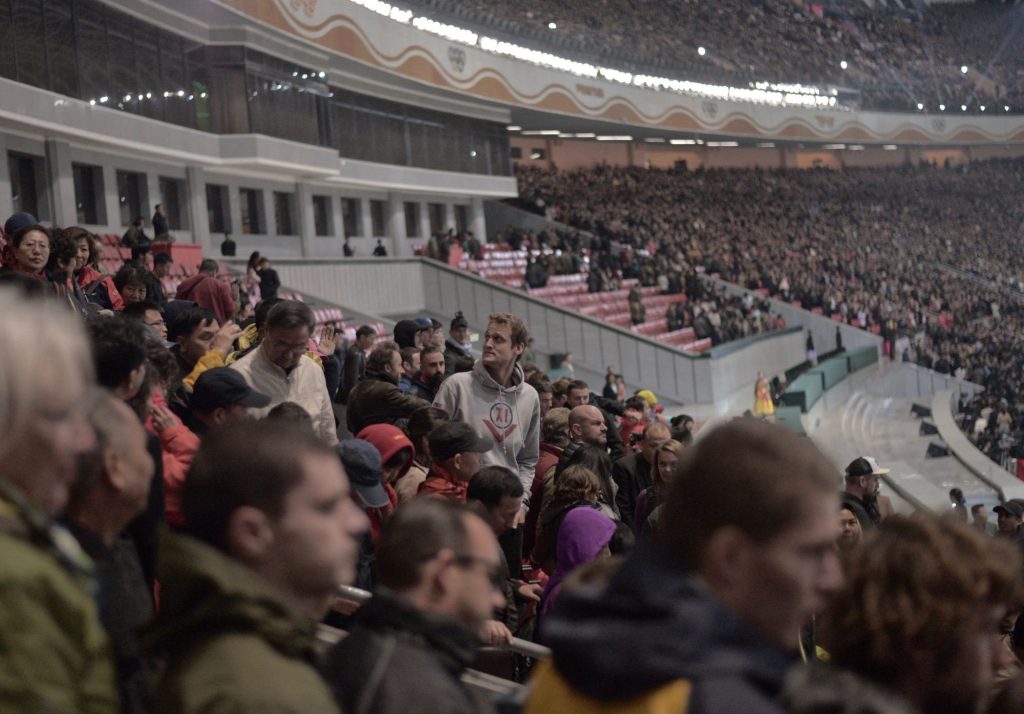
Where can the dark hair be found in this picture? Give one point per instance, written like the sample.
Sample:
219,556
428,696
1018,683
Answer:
253,259
289,314
19,235
414,535
427,351
407,354
161,361
138,310
78,233
118,349
140,250
598,461
63,249
209,265
577,384
263,309
290,413
637,403
769,464
364,330
976,507
622,541
421,423
251,464
491,484
138,221
161,258
187,322
129,274
541,383
382,356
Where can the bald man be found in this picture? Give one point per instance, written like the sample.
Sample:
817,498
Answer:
632,473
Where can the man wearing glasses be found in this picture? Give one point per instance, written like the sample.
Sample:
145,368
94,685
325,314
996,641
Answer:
439,576
280,369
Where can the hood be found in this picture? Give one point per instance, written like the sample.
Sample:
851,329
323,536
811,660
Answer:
405,333
204,593
654,623
454,346
388,440
481,375
187,285
381,377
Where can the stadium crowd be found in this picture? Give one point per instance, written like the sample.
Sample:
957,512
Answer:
181,497
894,58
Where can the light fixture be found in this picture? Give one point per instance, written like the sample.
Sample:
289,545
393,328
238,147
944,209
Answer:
654,140
719,144
766,145
552,26
472,153
1006,107
843,65
322,75
92,102
615,137
832,147
127,97
701,51
104,99
963,107
542,132
920,106
963,69
585,135
181,92
513,127
982,107
535,155
889,147
942,107
149,95
683,142
855,147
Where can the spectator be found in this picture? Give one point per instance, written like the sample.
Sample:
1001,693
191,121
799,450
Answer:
290,413
412,334
662,473
632,474
200,343
251,282
208,292
228,246
455,456
396,453
1009,518
544,395
457,343
586,428
422,421
130,282
271,532
149,315
280,368
377,398
222,397
861,495
355,360
578,393
979,519
346,248
713,579
439,575
54,654
270,283
577,486
135,236
410,368
430,375
582,538
29,252
380,251
161,230
931,647
99,289
554,437
850,532
111,489
162,264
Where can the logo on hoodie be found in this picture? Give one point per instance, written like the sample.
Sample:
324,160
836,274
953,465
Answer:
500,421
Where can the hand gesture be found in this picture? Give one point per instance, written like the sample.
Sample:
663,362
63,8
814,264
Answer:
328,340
163,419
225,337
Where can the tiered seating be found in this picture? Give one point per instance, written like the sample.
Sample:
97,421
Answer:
508,267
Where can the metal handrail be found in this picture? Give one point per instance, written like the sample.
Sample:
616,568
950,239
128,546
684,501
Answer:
517,645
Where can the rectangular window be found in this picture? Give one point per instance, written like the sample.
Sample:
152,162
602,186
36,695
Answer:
217,210
172,196
28,192
516,152
322,218
412,220
377,220
251,201
352,222
461,218
284,213
132,196
436,213
89,194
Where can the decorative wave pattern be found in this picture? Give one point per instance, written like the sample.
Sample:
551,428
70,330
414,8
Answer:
342,34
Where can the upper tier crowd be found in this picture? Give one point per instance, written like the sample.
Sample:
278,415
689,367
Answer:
925,255
896,58
178,515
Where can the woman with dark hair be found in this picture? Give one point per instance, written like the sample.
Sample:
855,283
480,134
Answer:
251,282
29,252
60,270
99,289
576,487
131,283
421,423
598,461
663,471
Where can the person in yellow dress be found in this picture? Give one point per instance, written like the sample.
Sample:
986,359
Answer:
763,405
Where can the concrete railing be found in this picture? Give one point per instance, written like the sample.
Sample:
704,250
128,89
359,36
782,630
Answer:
943,406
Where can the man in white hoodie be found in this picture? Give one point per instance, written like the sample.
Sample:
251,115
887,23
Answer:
496,400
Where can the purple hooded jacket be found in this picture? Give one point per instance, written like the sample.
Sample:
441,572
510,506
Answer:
583,534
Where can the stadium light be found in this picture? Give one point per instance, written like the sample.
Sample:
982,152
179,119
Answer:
920,106
473,153
963,107
942,107
843,65
701,51
963,68
1006,107
982,107
552,26
615,137
889,147
513,127
683,142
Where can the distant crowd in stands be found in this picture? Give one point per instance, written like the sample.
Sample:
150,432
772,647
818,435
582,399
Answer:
893,57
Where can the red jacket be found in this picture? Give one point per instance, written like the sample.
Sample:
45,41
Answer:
206,291
88,275
549,456
179,445
441,484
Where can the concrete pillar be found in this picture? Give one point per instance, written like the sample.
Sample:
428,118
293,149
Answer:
305,222
269,218
449,216
396,226
198,217
112,199
424,220
153,196
6,202
477,221
364,209
337,219
60,183
234,210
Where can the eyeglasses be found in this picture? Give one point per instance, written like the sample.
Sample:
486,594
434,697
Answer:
492,571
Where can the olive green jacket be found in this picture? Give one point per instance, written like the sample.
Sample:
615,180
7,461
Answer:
232,641
54,653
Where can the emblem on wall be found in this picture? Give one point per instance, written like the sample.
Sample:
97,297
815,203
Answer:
825,122
710,108
307,6
939,124
457,58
